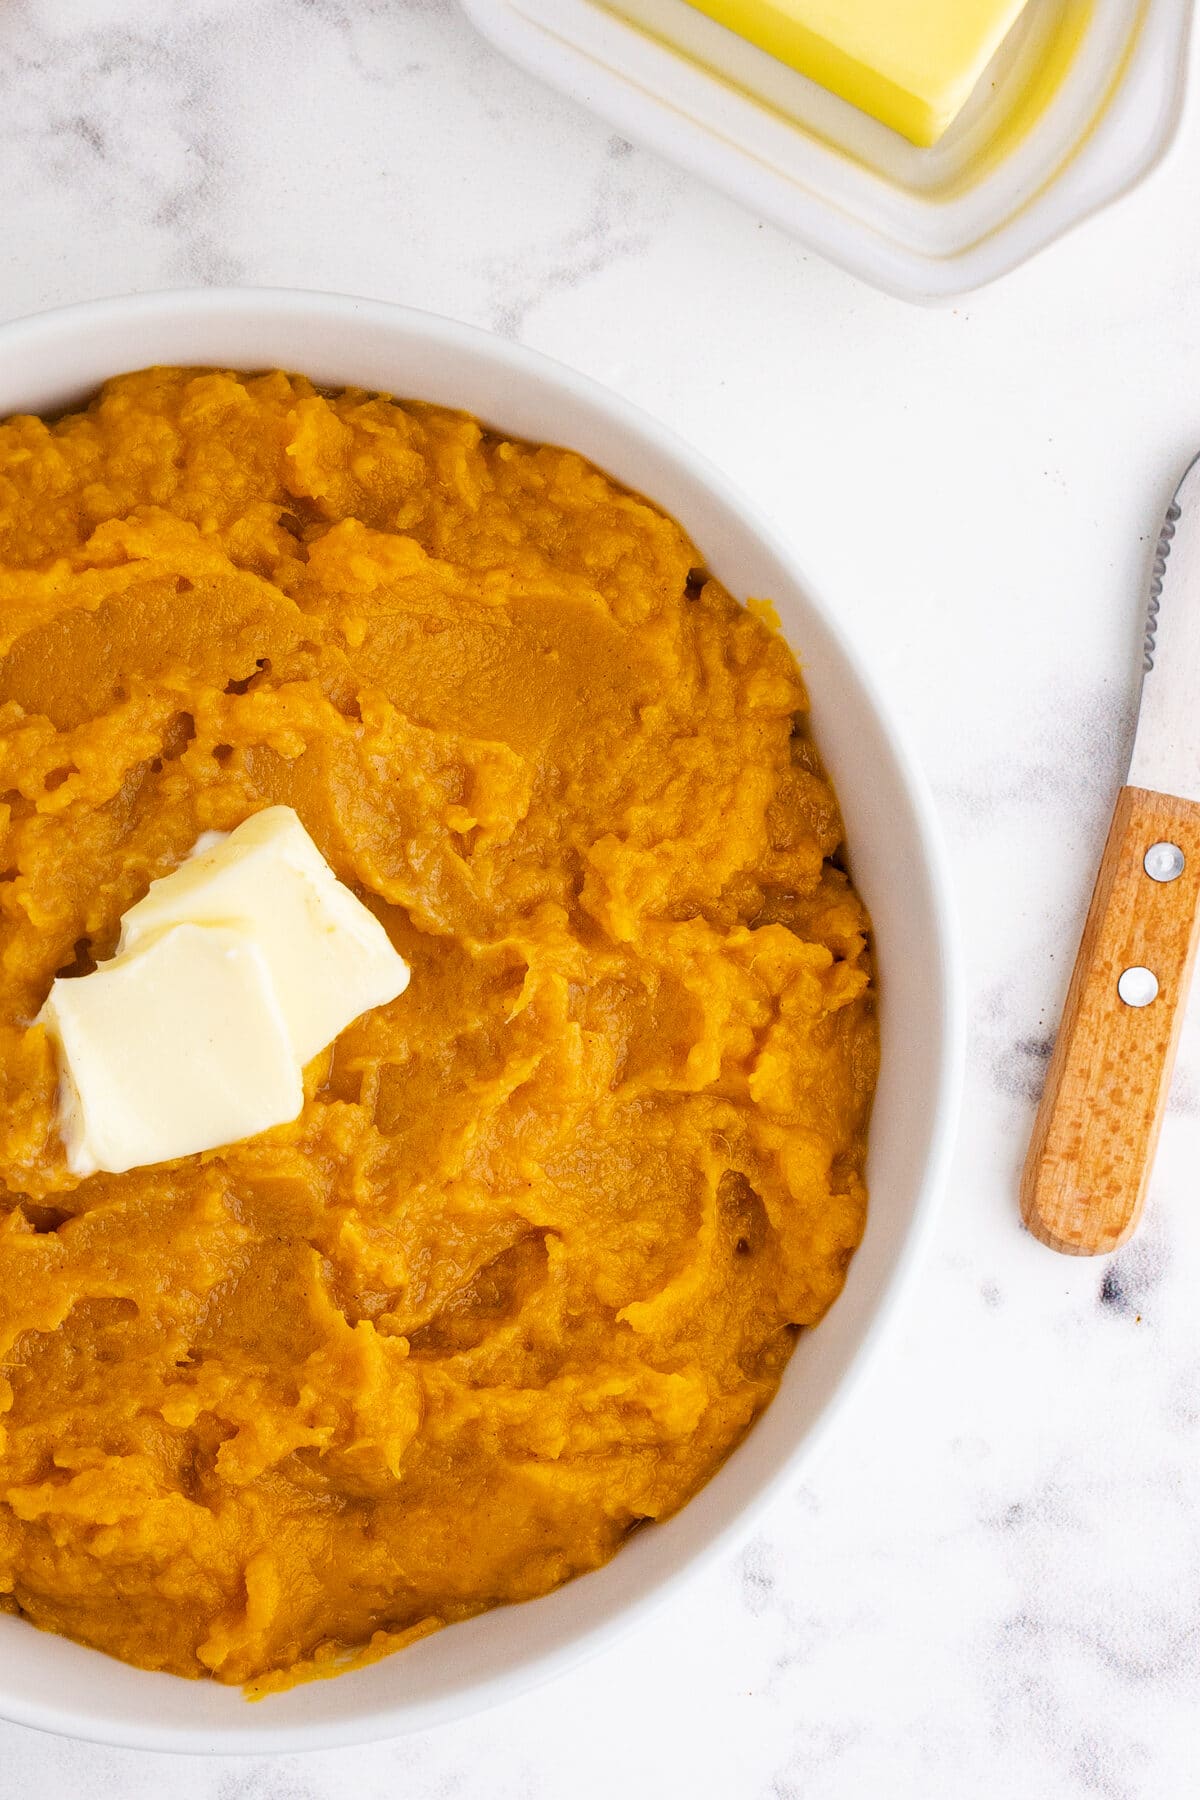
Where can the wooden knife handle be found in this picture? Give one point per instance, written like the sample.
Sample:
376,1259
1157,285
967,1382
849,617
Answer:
1097,1127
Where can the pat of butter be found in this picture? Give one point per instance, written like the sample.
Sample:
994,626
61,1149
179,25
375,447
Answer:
179,1046
230,975
329,957
911,63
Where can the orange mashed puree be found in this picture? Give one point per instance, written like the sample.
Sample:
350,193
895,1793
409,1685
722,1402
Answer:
534,1255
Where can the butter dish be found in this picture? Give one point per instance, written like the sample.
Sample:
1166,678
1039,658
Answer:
1081,101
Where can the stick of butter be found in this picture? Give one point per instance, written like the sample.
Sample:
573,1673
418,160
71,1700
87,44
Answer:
911,63
180,1046
230,975
329,956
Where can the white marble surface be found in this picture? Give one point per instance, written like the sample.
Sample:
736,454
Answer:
990,1585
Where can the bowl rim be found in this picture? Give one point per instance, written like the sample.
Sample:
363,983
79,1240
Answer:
321,308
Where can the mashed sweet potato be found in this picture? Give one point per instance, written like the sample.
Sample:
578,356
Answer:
534,1254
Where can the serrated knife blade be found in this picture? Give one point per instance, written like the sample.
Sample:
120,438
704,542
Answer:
1166,750
1097,1127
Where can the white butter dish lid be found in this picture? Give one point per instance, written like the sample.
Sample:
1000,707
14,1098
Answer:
1080,103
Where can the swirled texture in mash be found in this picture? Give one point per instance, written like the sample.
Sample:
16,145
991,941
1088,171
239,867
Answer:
533,1256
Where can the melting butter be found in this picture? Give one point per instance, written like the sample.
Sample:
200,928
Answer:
231,974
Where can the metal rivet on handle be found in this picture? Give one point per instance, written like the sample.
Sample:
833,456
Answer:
1163,862
1138,986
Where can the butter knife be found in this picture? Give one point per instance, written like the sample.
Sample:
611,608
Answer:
1097,1128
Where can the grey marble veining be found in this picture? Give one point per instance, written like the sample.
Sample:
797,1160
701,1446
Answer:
989,1584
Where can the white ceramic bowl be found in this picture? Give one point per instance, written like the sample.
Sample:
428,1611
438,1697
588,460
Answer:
57,360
